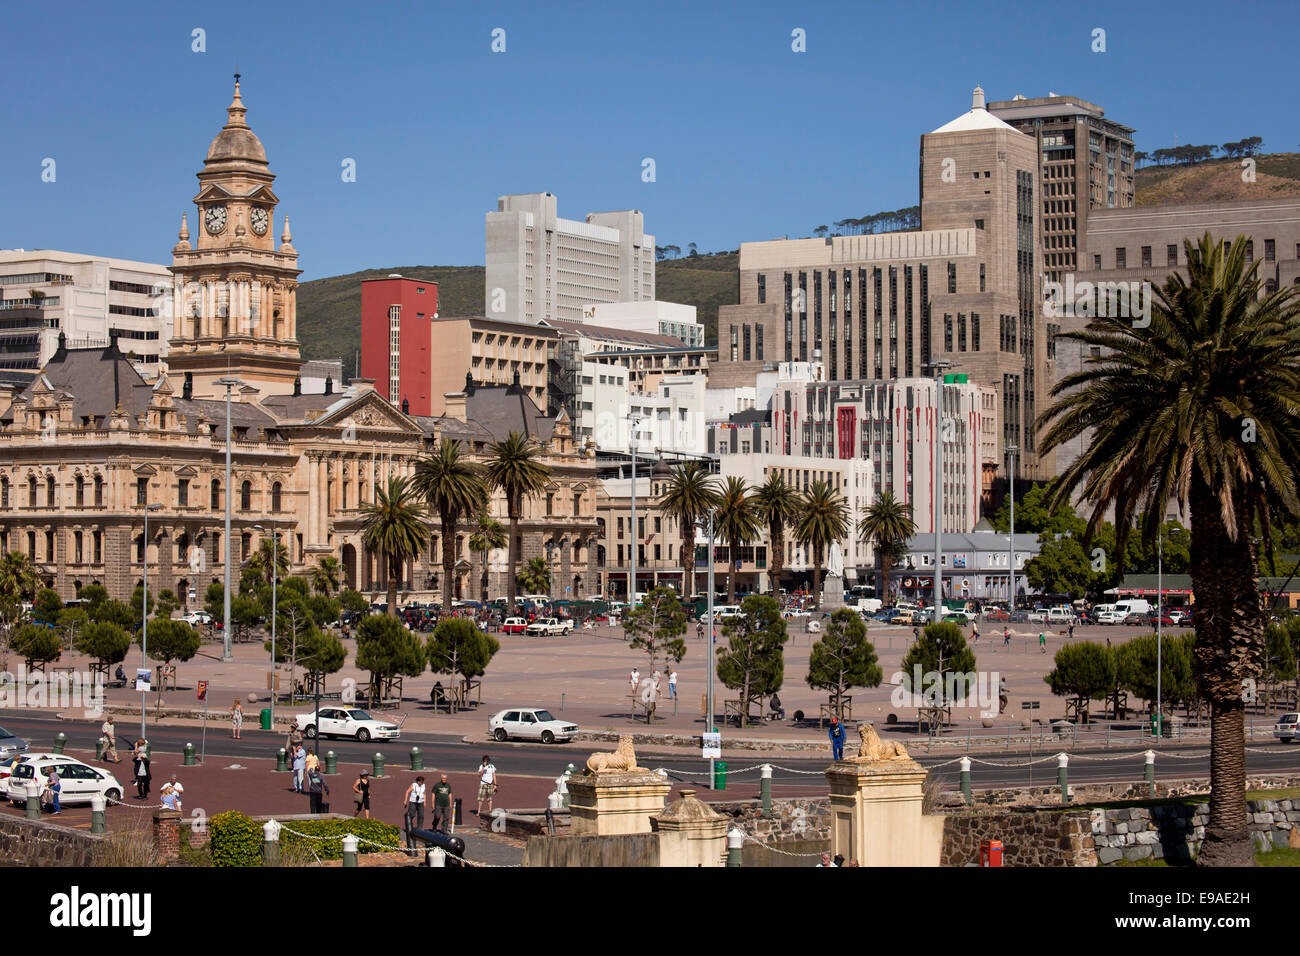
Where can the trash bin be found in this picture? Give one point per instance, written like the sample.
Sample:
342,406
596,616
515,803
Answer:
266,718
990,853
1155,726
719,775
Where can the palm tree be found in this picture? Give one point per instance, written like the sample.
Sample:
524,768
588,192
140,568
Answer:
823,520
515,470
488,536
887,525
535,578
778,505
260,560
18,577
689,493
453,487
393,524
326,575
737,523
1202,405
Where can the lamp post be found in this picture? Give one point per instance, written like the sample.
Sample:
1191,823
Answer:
1011,538
1160,613
634,421
938,366
228,383
275,567
710,523
144,604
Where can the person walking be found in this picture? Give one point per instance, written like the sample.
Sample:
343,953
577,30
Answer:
1070,632
1006,637
299,768
53,787
414,800
974,631
312,761
140,760
442,804
1002,695
487,784
317,791
109,733
236,718
837,739
361,789
672,684
1042,641
634,679
293,740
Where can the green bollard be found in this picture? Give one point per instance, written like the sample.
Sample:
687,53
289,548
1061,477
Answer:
349,850
189,760
281,760
97,814
1150,773
331,762
965,782
59,740
99,749
735,841
417,759
33,800
1063,776
377,766
765,789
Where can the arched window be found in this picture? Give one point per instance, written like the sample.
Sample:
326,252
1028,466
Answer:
4,492
31,491
49,490
81,491
245,543
577,504
216,495
275,497
99,491
245,496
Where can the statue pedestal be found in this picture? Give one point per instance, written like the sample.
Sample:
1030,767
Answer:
832,592
691,833
876,814
601,804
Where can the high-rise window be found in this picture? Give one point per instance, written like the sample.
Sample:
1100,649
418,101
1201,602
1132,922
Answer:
1270,250
975,331
142,491
1171,254
746,333
758,342
735,344
1121,258
1146,257
981,277
182,492
952,277
762,288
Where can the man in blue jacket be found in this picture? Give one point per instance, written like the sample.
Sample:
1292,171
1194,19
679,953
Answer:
837,739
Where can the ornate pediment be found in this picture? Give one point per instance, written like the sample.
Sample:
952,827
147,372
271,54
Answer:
369,411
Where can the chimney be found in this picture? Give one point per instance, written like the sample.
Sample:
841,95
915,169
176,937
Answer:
977,98
456,406
297,385
187,390
329,385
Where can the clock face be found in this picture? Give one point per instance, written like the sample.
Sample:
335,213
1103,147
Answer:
260,220
215,219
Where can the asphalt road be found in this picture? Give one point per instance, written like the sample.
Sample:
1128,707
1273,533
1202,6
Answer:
992,769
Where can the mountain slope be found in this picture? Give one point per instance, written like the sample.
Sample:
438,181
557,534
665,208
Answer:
1219,180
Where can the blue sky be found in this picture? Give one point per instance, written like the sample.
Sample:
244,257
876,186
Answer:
750,140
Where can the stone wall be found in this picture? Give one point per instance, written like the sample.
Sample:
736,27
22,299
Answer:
1050,795
1174,831
625,849
792,819
26,842
1041,838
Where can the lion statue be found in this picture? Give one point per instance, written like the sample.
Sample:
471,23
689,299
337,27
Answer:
622,760
873,748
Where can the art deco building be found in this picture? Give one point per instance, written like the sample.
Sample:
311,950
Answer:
89,443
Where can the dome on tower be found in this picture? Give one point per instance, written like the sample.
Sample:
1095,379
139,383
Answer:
236,143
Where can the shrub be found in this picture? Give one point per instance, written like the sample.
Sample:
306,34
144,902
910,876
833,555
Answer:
332,849
235,840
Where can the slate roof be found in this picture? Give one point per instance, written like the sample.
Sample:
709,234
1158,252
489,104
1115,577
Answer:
502,409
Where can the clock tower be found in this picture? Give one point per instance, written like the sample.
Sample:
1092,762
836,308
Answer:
235,292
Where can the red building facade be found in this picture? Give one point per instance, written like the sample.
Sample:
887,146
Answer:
397,339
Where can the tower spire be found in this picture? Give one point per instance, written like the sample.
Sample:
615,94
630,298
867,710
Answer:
236,109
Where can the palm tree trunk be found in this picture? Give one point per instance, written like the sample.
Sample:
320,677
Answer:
817,577
732,551
776,559
448,559
394,572
513,551
688,562
886,565
485,577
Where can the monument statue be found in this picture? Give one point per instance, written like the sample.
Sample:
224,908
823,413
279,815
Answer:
622,760
873,748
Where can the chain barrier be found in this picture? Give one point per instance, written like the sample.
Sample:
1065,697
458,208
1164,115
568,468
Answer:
400,849
769,847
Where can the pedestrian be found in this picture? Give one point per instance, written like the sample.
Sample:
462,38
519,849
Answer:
1071,630
236,718
839,860
657,677
837,739
487,784
361,788
974,630
312,761
53,787
916,635
854,863
317,791
1042,641
634,679
414,800
140,758
699,630
1006,637
294,739
442,804
109,734
171,793
1002,695
826,862
672,684
299,768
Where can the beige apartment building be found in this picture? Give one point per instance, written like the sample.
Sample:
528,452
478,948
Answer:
963,289
494,351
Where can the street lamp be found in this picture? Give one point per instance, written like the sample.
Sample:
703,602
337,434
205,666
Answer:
1011,538
634,421
228,383
709,520
1160,613
938,366
275,562
144,605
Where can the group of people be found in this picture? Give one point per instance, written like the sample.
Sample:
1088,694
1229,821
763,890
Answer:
634,682
838,861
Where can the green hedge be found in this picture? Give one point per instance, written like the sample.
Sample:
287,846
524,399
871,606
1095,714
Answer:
236,839
381,833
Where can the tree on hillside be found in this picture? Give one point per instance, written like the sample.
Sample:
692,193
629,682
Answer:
753,662
655,627
844,658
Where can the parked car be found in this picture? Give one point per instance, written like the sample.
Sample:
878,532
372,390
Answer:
903,617
549,627
1287,727
11,745
78,781
1181,617
346,722
197,618
884,614
1111,616
530,723
514,625
958,617
1135,620
995,614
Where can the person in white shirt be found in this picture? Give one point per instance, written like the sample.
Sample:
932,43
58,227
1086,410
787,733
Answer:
172,793
487,784
109,733
672,685
634,679
414,805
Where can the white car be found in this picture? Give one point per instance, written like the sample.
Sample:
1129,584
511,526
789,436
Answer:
549,627
1287,727
78,781
336,721
533,723
197,618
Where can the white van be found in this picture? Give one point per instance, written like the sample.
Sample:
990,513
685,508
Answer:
1132,606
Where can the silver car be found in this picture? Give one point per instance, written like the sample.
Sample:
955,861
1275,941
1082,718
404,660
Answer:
11,745
1287,727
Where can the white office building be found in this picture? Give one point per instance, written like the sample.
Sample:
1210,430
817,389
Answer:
541,267
670,419
661,318
89,299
